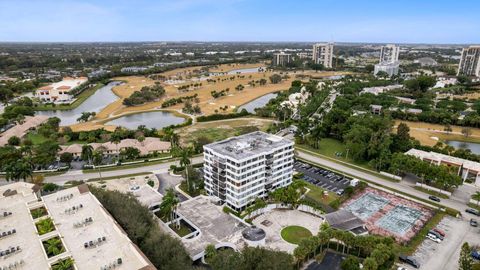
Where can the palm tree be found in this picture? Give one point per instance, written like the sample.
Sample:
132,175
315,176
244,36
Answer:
87,153
45,226
97,160
476,197
54,246
116,139
185,156
22,169
169,204
66,264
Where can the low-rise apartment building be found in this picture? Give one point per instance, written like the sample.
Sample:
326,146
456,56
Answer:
240,169
60,92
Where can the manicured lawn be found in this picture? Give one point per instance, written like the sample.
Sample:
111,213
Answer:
431,192
331,147
317,194
36,138
294,234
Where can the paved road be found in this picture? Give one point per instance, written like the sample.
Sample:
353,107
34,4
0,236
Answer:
79,175
454,202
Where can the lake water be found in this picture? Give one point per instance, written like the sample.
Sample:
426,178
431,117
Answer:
95,103
245,70
257,103
474,147
157,119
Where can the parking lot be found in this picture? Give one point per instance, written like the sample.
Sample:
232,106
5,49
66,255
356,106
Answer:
322,178
445,255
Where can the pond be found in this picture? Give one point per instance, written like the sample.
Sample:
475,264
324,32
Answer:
245,70
474,147
156,119
95,103
257,103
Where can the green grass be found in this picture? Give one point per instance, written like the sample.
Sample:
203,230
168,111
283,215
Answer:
317,194
36,138
420,236
182,230
295,234
431,192
80,99
474,206
329,147
347,162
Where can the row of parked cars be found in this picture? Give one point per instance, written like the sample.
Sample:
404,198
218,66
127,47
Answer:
435,235
323,178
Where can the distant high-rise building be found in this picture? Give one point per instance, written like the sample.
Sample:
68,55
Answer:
323,54
389,54
388,60
470,62
281,59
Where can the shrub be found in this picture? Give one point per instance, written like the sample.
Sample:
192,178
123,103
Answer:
164,251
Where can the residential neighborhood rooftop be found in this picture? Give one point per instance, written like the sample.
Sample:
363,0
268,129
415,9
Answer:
90,236
21,129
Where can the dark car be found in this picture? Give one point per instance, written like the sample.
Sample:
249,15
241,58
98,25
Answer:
472,211
409,260
434,198
475,255
473,223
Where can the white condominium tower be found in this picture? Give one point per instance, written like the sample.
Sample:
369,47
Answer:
323,54
388,60
240,169
389,54
470,62
281,59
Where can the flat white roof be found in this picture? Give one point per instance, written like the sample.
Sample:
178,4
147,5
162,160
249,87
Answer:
467,164
25,237
19,198
65,84
117,244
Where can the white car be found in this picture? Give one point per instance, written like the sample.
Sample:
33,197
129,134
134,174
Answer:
433,238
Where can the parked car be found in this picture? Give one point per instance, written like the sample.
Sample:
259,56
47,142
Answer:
433,238
434,198
437,235
409,260
340,192
475,255
473,211
473,223
442,233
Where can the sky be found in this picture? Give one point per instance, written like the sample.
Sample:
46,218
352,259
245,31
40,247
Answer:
397,21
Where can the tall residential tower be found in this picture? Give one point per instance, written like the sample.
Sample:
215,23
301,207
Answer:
388,60
323,54
240,169
470,62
